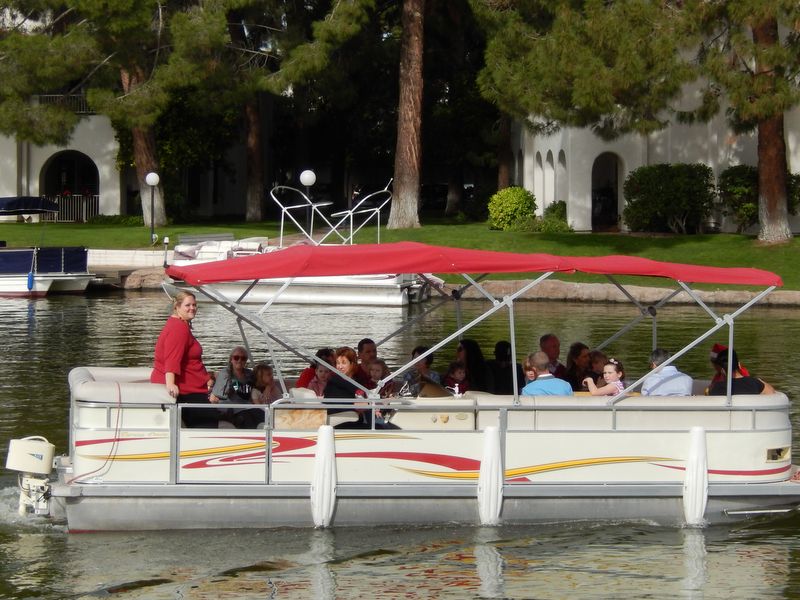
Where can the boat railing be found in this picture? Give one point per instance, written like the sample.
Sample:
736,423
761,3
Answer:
301,205
110,438
482,413
361,214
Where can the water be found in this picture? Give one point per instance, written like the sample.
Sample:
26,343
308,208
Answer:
43,339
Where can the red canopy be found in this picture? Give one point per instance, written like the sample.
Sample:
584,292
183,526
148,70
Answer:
413,257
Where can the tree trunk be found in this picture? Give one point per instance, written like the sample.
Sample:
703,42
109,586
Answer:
255,168
144,157
773,216
505,157
408,154
455,191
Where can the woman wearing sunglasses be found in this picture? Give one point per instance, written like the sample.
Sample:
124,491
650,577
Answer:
234,383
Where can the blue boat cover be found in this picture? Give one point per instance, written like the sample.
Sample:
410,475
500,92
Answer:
26,205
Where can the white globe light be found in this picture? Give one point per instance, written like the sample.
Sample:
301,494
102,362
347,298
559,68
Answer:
152,179
308,178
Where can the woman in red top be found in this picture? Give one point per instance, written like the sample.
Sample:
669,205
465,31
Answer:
179,363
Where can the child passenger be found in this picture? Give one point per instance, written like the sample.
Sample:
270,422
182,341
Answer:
456,378
377,370
265,389
319,380
613,373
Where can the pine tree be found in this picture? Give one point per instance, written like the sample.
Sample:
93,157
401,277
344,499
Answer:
408,155
752,70
618,67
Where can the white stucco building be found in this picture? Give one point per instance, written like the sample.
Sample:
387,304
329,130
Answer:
588,173
83,174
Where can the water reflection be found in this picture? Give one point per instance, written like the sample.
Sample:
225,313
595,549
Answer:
694,562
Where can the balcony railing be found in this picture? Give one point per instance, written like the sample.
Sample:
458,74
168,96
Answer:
74,208
76,102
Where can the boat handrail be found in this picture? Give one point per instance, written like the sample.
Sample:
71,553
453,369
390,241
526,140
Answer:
742,403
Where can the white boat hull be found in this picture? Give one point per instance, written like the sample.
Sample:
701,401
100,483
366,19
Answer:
18,286
115,508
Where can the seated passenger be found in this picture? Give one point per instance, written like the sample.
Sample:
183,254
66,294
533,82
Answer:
478,376
422,373
367,352
613,374
502,368
597,360
377,371
235,382
740,383
668,381
265,389
551,345
320,380
338,387
544,382
718,374
325,354
234,385
456,378
578,366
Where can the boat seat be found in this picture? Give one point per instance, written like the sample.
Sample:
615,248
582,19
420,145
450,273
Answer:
449,413
296,392
299,418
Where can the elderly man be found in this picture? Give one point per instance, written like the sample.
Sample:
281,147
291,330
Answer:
545,383
668,381
551,345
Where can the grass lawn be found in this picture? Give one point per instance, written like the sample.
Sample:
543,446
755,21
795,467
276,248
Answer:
725,250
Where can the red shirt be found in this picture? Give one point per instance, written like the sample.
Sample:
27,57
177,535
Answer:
179,352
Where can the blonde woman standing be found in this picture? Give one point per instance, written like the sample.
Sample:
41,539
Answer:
178,362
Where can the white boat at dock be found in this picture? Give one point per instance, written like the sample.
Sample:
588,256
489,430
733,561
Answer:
36,272
372,289
475,458
378,289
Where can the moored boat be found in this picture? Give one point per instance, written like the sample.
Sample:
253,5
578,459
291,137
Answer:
37,271
473,458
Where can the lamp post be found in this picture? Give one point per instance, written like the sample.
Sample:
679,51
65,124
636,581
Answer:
308,178
166,249
152,180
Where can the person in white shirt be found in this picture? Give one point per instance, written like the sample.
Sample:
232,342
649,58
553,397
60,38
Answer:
668,381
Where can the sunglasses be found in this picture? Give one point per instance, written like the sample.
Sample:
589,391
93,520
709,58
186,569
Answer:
238,358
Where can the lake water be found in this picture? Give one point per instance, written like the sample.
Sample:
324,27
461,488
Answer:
43,339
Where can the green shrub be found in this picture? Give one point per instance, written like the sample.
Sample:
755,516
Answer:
551,224
510,206
793,192
548,224
556,210
135,220
738,191
664,197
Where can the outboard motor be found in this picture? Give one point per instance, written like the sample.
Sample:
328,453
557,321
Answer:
33,458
